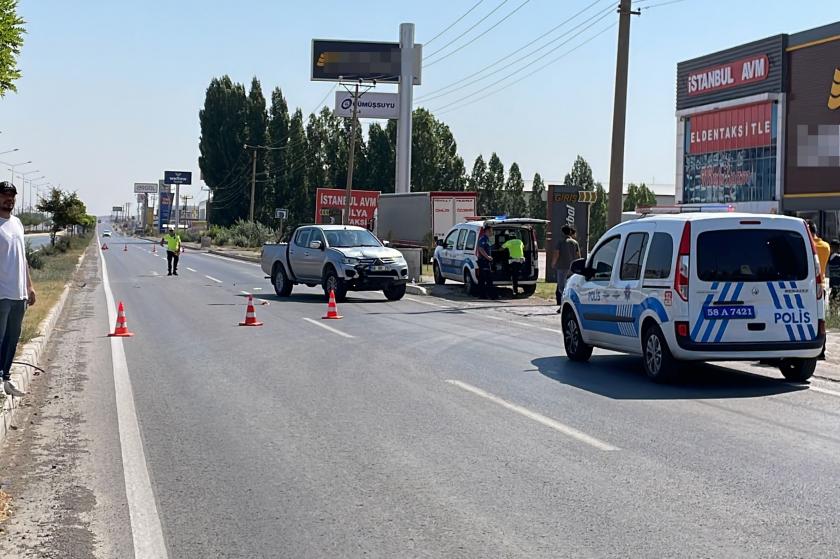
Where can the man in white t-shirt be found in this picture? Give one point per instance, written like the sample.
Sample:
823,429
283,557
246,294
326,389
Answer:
15,284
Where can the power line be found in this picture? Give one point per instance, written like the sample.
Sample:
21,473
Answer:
464,98
661,4
476,24
479,36
599,16
520,49
446,109
451,25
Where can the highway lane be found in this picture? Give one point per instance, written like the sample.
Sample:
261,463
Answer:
436,430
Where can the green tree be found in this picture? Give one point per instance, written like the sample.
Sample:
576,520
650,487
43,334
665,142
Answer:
435,163
478,175
492,194
580,175
223,163
66,209
515,204
381,159
11,41
278,137
301,192
314,160
598,215
638,195
537,206
256,134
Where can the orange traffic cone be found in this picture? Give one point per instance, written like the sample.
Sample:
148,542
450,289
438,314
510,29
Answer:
250,314
104,246
125,248
121,329
332,308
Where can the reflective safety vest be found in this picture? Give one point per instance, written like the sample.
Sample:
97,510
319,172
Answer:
173,243
515,248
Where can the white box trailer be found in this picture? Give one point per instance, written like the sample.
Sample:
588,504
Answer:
416,218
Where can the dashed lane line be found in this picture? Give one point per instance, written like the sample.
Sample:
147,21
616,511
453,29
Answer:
329,328
539,418
211,278
190,269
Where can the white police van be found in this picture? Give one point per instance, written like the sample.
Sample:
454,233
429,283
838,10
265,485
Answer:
700,287
455,258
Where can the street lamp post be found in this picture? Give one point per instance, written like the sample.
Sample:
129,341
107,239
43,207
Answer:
23,187
9,151
13,165
30,190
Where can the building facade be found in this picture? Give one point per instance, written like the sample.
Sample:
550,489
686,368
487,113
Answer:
758,127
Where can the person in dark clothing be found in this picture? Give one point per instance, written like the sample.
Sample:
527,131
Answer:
485,265
566,251
834,275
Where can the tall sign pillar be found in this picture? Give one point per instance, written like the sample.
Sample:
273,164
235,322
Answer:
406,89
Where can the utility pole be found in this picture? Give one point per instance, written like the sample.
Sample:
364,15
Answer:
619,113
253,182
345,218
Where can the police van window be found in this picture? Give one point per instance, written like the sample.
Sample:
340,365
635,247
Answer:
631,259
753,255
450,240
461,236
660,257
302,239
470,241
604,259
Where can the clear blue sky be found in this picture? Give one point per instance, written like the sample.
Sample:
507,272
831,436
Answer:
111,90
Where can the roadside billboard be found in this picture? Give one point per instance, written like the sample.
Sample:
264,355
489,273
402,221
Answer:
329,206
567,205
145,188
165,210
336,61
370,105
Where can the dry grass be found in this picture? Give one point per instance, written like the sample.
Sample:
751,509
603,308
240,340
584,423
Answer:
5,506
49,283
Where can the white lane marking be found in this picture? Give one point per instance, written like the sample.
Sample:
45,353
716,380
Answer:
330,328
824,391
245,292
256,288
190,269
230,259
214,279
155,273
428,303
539,418
146,530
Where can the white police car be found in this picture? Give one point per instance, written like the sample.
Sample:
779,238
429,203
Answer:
700,287
455,257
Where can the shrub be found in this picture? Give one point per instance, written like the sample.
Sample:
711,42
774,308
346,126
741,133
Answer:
34,257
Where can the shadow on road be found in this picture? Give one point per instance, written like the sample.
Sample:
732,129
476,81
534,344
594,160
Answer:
622,377
312,298
454,292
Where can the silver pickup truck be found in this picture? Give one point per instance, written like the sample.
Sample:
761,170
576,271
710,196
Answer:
340,258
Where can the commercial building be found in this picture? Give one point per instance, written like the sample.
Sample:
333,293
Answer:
758,127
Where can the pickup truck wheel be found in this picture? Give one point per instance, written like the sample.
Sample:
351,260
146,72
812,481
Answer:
394,292
332,282
528,290
439,279
282,285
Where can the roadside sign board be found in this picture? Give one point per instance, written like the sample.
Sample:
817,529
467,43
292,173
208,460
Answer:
177,177
329,206
281,213
145,188
163,187
117,208
335,61
141,198
165,209
568,205
370,105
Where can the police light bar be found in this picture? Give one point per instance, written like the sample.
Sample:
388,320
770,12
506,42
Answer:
662,210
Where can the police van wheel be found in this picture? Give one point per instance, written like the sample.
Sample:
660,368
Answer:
439,279
798,370
469,285
657,358
576,349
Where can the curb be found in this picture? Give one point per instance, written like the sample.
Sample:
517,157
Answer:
234,256
32,352
416,289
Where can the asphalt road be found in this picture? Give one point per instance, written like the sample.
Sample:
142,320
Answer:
38,240
420,428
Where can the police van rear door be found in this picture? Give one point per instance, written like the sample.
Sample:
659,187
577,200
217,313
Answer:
752,281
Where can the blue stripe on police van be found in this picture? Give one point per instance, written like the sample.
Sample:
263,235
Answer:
801,332
791,335
776,301
799,301
700,319
812,332
725,321
788,301
713,322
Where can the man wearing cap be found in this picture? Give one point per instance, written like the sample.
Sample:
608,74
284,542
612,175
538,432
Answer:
173,249
15,284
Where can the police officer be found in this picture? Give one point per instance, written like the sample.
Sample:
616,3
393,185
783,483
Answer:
173,248
485,265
